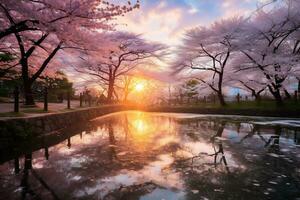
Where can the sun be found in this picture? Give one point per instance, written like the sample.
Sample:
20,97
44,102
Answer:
139,87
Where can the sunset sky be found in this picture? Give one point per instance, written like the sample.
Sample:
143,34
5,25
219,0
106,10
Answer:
166,20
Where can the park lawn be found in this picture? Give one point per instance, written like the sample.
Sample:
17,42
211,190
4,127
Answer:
5,100
12,114
27,112
68,110
35,110
23,113
263,105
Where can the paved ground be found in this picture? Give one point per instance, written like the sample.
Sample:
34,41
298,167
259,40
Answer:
9,107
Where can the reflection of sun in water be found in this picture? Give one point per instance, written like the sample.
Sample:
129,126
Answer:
139,87
140,126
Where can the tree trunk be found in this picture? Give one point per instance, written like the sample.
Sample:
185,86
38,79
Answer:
181,99
278,99
276,94
110,91
299,87
220,88
287,94
257,98
125,97
116,95
28,94
221,99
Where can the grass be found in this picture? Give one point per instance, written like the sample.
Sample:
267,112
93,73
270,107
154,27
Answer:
35,110
5,100
22,113
12,114
67,109
263,105
27,111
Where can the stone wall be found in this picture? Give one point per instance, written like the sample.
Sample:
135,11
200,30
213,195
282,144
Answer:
35,126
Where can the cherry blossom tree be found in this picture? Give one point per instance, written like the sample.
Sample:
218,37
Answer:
127,85
254,53
49,26
253,83
7,65
127,52
190,89
27,15
271,46
209,49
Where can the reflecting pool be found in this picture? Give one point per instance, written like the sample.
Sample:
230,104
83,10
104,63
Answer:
137,155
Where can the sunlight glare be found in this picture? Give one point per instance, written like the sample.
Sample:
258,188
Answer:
140,126
139,87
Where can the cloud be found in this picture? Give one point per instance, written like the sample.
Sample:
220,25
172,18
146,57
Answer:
166,20
158,23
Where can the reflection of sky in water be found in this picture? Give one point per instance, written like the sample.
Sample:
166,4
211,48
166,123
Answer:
164,194
133,148
231,135
154,172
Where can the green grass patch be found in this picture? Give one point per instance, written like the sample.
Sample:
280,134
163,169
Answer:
263,105
5,100
35,110
12,114
67,110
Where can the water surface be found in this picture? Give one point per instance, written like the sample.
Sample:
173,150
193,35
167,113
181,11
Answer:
136,155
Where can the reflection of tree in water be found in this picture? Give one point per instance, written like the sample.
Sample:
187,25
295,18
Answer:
30,180
217,145
132,192
205,178
254,130
25,183
46,153
211,183
272,143
272,155
17,165
112,142
264,177
297,136
102,158
17,147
